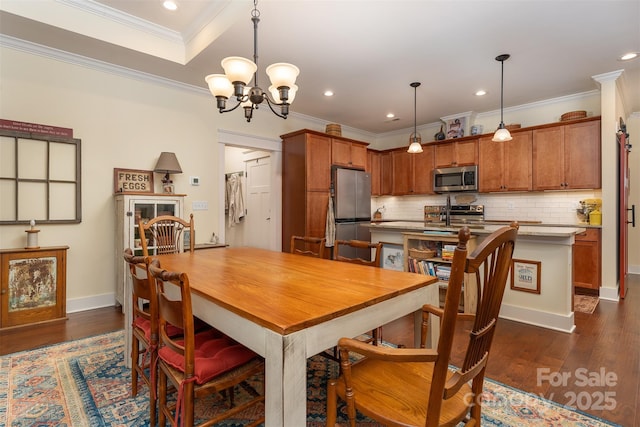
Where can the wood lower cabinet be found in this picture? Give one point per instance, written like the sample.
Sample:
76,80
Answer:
567,157
33,285
587,260
505,166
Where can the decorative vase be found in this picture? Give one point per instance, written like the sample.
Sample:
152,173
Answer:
440,135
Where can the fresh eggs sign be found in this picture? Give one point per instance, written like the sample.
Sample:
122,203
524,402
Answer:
132,181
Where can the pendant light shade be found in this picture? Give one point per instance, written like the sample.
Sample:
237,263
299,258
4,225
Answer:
415,139
502,134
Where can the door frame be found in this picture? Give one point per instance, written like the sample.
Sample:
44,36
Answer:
274,146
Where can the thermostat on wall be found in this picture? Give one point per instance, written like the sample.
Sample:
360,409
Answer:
194,180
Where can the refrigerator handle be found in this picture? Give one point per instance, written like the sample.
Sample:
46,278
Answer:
633,215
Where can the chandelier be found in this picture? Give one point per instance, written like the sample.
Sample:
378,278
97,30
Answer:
415,139
238,73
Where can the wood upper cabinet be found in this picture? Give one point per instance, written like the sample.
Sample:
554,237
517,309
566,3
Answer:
567,157
373,167
318,162
386,174
345,152
587,259
412,173
456,153
505,166
423,170
402,182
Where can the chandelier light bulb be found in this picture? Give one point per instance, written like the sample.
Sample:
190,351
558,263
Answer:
238,69
219,85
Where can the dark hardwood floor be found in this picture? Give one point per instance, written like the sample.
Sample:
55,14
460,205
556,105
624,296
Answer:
600,361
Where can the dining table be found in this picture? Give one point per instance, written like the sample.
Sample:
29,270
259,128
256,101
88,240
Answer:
288,307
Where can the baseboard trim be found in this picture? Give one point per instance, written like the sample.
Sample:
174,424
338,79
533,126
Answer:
609,294
92,302
557,322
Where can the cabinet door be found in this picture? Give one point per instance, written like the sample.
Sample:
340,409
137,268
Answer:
423,171
373,167
386,174
548,158
490,166
466,152
582,155
316,213
402,172
358,155
445,155
518,164
340,152
587,260
318,163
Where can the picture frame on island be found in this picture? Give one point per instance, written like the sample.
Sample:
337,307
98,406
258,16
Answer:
525,275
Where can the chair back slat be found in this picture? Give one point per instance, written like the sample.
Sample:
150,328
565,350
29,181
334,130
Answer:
141,290
165,234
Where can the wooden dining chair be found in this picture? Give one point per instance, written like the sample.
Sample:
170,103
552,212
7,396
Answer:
414,387
352,246
165,233
197,365
144,328
308,246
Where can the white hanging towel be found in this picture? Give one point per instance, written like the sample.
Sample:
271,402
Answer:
330,227
234,200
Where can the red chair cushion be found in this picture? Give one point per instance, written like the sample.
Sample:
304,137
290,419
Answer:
145,326
214,355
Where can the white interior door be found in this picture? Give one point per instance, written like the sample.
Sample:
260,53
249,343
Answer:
258,219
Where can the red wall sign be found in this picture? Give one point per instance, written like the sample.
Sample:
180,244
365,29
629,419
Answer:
35,128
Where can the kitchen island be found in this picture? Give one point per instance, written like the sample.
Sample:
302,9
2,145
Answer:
546,251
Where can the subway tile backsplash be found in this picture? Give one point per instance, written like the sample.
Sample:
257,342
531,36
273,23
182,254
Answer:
549,207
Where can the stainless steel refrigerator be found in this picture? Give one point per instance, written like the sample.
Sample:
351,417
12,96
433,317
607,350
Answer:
352,204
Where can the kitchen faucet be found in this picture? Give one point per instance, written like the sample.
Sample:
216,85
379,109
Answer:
447,212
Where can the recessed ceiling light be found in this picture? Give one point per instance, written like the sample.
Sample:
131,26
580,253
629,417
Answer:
390,116
629,56
328,93
481,92
170,5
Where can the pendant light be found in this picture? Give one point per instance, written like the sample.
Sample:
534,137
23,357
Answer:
238,74
502,134
415,139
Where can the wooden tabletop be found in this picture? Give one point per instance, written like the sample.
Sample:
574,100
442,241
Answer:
285,292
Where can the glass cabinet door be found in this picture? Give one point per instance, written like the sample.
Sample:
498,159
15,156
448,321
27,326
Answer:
146,210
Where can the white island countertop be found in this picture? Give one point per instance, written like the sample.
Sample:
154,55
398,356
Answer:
524,230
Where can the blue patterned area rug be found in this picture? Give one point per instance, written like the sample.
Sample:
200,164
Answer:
85,383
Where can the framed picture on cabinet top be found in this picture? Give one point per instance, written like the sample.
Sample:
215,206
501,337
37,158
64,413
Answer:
456,127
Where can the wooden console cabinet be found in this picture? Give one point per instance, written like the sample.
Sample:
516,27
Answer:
32,285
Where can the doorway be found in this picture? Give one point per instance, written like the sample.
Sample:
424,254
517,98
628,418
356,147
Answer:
261,160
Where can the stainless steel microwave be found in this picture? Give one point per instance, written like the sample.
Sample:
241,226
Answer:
463,178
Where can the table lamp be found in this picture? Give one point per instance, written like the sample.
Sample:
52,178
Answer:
167,163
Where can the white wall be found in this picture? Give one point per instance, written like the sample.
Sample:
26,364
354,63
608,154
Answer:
125,121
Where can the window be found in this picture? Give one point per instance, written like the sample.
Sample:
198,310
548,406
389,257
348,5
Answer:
39,179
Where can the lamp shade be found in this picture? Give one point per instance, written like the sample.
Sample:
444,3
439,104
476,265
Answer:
238,69
282,74
275,94
501,134
219,85
167,163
